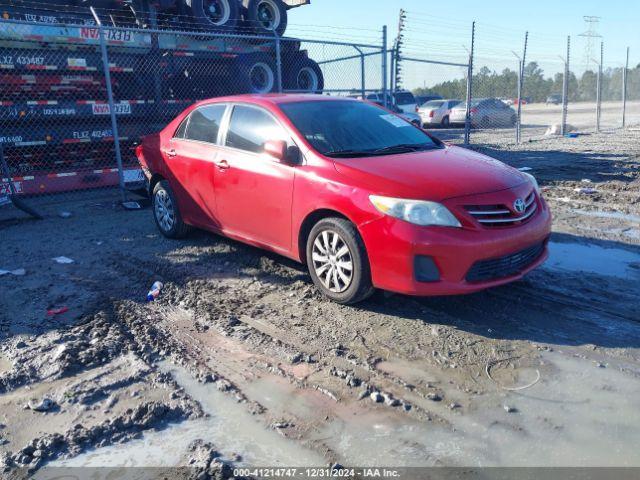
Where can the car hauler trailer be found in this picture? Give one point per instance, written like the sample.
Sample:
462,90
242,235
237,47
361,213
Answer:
54,115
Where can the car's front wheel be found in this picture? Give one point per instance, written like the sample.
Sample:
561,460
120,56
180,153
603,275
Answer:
166,213
337,261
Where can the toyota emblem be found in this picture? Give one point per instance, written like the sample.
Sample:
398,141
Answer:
519,205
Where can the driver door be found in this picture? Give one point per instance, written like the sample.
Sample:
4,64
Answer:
253,190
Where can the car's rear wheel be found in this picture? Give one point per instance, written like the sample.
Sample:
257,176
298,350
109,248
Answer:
337,261
445,121
166,212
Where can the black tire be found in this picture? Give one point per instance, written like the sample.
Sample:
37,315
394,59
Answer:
178,229
359,286
513,120
215,15
255,73
265,16
444,123
301,74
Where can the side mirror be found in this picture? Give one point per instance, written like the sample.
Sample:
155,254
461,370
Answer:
276,149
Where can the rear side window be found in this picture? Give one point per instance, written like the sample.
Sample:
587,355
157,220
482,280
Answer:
204,124
251,127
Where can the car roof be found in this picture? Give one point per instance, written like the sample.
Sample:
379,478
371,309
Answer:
274,98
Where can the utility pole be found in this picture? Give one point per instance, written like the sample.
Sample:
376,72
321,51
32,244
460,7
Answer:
591,33
397,52
467,116
520,86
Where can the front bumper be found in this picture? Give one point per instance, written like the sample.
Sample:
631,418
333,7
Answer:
393,245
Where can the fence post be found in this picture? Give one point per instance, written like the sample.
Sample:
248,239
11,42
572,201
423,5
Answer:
384,65
278,62
467,118
112,110
624,90
599,88
565,89
363,86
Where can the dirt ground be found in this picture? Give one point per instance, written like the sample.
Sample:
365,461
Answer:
240,362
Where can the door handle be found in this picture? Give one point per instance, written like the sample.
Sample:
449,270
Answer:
222,164
171,153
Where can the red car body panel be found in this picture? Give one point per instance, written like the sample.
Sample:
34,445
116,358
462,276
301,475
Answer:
265,202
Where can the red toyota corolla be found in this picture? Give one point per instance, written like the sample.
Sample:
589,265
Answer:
360,195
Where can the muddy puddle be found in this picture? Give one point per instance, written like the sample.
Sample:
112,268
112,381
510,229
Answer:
615,215
230,427
591,258
578,415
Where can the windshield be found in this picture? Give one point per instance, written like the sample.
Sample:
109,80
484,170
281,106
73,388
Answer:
403,98
355,129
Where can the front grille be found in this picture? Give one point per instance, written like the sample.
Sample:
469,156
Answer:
501,215
495,268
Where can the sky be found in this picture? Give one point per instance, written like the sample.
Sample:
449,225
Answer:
442,31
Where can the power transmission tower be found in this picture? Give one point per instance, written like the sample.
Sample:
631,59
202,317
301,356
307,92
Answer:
591,34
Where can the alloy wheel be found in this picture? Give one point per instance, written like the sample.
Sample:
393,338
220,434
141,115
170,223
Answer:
332,261
164,211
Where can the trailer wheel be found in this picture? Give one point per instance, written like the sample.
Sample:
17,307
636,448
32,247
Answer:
266,16
215,14
303,75
256,74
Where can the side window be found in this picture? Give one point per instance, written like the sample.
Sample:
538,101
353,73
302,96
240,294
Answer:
181,129
251,127
204,123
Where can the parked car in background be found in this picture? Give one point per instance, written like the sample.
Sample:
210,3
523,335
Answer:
485,113
405,101
554,99
360,196
422,99
437,112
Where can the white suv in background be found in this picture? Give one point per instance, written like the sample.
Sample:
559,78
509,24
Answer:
403,99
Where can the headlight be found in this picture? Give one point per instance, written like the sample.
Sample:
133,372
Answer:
534,181
417,212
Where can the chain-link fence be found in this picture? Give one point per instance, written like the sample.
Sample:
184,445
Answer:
76,98
523,86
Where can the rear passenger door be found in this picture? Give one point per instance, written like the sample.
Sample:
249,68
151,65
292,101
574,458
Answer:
191,155
253,190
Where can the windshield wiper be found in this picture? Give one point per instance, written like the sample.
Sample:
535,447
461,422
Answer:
349,153
404,147
399,148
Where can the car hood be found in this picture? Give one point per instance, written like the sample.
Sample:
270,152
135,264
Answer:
431,175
